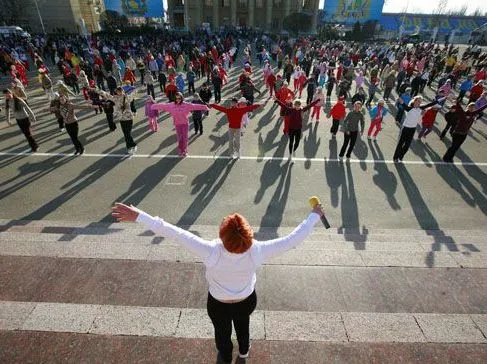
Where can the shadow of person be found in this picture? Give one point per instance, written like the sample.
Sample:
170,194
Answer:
311,145
205,186
361,152
424,216
272,218
270,173
333,172
384,178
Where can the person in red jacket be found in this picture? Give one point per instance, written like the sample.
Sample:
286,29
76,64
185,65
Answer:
271,83
235,114
129,76
465,120
428,120
285,95
223,74
476,91
295,114
337,113
171,91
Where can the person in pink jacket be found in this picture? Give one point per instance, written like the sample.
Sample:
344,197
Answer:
179,111
151,114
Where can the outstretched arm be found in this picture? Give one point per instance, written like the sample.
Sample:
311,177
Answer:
309,106
202,248
162,106
271,248
218,107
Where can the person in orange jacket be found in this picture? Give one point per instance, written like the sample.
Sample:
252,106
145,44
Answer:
337,113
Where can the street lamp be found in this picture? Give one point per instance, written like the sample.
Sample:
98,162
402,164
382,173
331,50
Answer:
40,17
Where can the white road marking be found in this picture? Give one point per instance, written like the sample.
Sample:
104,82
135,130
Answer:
249,158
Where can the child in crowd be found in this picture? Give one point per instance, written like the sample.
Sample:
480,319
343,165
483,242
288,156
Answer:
428,120
151,113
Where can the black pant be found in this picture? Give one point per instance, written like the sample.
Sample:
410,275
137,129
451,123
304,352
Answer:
60,122
449,126
461,95
218,94
351,138
456,143
191,87
150,91
334,126
404,142
111,124
387,93
294,139
127,133
399,115
162,85
371,97
24,125
72,130
414,91
198,124
222,315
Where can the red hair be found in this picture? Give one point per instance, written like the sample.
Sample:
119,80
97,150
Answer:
236,234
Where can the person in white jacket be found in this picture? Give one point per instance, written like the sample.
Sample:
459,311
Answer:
231,263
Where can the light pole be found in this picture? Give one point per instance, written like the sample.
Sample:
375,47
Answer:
40,17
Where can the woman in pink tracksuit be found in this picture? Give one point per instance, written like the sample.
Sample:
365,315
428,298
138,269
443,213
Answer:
180,111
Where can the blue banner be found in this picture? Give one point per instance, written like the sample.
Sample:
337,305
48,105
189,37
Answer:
351,11
136,8
444,23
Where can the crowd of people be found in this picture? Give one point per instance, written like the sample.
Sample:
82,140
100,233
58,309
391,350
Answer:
110,71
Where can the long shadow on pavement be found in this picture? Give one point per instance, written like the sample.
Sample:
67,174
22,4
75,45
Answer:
423,215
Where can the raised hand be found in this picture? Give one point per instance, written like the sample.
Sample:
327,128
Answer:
122,212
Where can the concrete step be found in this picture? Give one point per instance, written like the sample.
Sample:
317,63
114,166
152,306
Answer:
317,250
171,322
57,347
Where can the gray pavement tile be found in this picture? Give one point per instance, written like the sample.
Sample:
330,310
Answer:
378,327
293,288
171,253
317,257
361,293
304,326
61,317
481,322
407,259
195,323
470,260
14,314
139,321
448,290
395,290
449,328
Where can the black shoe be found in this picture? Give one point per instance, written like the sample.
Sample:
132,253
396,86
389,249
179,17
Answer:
76,153
35,149
81,151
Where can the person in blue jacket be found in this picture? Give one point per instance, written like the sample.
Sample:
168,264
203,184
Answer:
376,116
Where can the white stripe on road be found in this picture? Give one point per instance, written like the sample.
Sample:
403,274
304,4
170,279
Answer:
250,158
264,325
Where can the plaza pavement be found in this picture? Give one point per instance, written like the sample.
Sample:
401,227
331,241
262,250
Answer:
400,276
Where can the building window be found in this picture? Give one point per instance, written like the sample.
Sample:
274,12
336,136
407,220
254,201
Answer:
259,3
209,2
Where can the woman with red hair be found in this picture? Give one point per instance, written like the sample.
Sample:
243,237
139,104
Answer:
231,262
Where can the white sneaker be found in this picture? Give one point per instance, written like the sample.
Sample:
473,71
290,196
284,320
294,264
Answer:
369,137
290,158
134,149
340,159
294,154
130,151
244,356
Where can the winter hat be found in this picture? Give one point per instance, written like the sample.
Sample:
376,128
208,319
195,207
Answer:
242,100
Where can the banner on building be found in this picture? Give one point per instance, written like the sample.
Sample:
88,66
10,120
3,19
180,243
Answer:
351,11
136,8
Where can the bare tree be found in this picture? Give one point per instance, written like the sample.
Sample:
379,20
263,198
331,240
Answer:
477,12
441,8
461,11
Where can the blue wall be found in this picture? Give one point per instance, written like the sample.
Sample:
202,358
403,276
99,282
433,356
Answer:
351,11
137,8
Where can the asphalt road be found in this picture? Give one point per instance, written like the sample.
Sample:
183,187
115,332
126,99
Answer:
370,191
